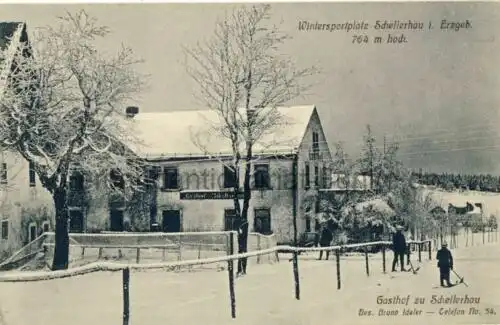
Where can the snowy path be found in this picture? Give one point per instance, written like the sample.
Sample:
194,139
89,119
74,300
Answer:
265,295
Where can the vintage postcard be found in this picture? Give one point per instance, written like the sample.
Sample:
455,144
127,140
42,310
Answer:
244,163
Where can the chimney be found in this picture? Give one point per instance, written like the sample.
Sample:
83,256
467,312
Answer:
131,111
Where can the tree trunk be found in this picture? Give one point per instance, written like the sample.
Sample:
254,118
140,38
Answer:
61,250
247,194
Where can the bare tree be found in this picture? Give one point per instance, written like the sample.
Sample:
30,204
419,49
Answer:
243,78
61,109
370,158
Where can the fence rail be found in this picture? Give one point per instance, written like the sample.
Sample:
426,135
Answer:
126,268
30,249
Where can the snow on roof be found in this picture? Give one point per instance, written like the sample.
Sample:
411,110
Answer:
377,204
477,210
191,133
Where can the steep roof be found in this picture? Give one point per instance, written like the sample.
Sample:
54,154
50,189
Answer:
190,133
11,34
7,30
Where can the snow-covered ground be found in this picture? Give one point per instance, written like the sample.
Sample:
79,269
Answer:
265,295
491,201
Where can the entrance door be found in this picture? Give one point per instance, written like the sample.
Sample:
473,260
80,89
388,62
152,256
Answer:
75,221
171,220
116,220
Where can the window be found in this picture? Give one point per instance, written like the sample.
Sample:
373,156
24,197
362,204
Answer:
308,224
153,213
76,181
171,220
171,181
31,232
315,143
230,220
32,174
116,179
316,176
3,174
307,172
116,222
229,177
262,221
45,226
152,174
326,177
76,221
5,229
261,176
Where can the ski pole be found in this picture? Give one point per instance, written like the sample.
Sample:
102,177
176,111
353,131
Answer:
461,278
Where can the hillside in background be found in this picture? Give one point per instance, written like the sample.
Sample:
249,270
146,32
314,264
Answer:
451,182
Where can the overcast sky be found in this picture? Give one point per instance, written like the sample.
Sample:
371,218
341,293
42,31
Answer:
437,91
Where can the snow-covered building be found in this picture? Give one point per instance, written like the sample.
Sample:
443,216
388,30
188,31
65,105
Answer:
25,206
196,182
194,188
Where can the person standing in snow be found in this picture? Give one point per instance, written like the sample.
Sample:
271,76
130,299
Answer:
399,248
325,240
445,264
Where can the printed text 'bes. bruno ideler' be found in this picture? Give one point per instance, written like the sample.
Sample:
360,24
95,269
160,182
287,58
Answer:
442,305
384,31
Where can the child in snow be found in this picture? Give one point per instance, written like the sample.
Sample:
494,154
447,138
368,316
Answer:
445,264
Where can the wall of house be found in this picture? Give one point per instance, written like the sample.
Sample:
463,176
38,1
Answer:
208,214
21,205
322,160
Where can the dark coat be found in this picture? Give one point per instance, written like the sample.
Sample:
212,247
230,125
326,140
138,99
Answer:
399,242
326,237
444,258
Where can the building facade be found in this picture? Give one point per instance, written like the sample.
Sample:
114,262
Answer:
26,208
195,189
193,183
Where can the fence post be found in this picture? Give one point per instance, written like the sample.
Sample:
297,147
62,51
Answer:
383,258
199,250
408,252
164,254
419,252
100,253
296,274
230,270
367,264
337,258
258,248
126,295
179,253
138,256
483,235
430,250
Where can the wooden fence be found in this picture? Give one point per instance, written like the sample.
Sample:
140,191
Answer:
421,246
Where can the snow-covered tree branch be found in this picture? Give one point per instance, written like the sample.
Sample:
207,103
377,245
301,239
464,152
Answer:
243,78
63,108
